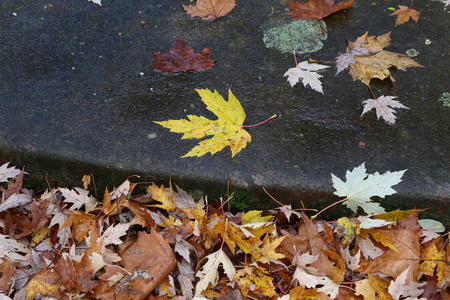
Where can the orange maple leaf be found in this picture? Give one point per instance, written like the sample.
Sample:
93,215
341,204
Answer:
315,9
404,13
210,9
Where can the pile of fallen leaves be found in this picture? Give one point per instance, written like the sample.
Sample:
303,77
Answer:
162,244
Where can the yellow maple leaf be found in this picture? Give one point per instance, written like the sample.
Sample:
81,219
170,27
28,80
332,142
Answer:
372,287
254,216
256,280
396,215
404,13
433,259
161,195
226,130
300,293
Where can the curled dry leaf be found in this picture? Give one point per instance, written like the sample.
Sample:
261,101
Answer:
182,58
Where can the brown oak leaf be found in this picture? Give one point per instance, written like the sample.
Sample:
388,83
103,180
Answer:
315,9
182,58
210,9
404,13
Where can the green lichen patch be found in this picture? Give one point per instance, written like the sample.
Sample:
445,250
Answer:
445,97
303,36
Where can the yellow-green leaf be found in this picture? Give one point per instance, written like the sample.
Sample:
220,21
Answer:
226,130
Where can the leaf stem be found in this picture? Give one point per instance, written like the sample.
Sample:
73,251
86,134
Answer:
260,123
371,91
331,205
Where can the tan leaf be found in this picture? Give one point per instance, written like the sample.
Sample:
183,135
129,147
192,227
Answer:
404,13
210,9
394,262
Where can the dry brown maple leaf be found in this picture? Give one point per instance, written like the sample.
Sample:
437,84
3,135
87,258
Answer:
210,9
315,9
182,58
404,13
375,62
394,262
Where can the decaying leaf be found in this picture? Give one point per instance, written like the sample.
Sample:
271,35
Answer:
404,13
373,62
305,72
360,187
210,9
315,9
384,106
226,130
182,58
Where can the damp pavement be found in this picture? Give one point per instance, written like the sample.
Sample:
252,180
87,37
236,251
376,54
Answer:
77,85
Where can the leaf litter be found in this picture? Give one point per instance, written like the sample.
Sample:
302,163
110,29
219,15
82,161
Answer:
190,249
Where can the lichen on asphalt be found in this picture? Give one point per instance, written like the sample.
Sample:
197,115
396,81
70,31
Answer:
445,97
303,36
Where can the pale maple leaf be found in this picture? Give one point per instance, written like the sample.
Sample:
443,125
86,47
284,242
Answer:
360,187
446,3
185,278
209,273
404,13
183,248
398,288
112,236
59,218
11,249
384,106
99,2
6,172
122,189
113,233
343,60
327,285
79,197
226,130
16,200
305,72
